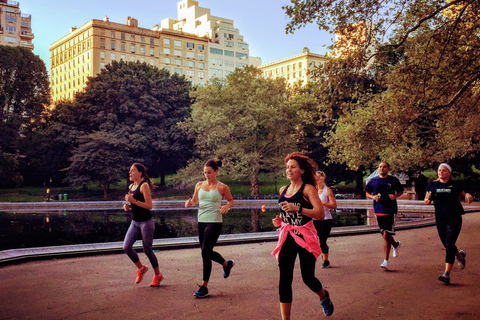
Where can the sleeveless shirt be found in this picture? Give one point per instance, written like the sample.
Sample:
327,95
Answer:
298,199
139,214
209,203
324,198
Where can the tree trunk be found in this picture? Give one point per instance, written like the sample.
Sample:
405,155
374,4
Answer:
255,220
255,185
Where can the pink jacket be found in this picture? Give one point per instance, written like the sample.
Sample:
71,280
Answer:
309,233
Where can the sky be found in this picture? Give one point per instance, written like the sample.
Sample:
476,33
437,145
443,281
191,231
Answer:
261,22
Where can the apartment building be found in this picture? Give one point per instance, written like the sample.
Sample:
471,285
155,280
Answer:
227,48
86,50
295,69
15,26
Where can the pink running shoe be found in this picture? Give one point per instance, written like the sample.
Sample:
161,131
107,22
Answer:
157,278
140,273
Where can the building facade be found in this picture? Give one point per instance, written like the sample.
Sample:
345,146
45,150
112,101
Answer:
86,50
296,69
227,48
15,26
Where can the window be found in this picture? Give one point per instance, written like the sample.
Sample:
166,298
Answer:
241,55
122,36
190,54
11,18
166,41
177,43
152,52
201,47
201,74
166,50
191,64
190,45
228,36
178,62
201,56
142,50
112,56
166,68
243,45
102,65
122,57
142,39
122,47
112,45
152,41
239,65
228,43
132,48
201,65
229,53
102,55
112,34
217,72
190,73
11,29
166,60
229,63
216,51
102,43
178,71
177,52
132,37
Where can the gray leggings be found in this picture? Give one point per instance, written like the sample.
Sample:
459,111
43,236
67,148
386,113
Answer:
145,229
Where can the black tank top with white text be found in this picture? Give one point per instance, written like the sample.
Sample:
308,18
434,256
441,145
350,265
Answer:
295,218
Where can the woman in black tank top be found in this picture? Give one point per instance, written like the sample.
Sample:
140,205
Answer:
142,225
299,203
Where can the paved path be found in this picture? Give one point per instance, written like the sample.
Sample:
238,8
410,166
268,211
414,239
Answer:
102,287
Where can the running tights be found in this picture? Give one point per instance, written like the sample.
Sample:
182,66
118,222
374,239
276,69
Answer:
208,234
448,230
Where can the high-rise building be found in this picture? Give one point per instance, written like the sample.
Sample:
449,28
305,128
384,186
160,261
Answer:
86,50
227,48
295,69
15,26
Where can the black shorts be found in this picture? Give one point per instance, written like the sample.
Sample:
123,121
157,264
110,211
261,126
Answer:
386,223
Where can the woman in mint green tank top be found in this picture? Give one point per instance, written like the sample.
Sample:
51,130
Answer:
209,194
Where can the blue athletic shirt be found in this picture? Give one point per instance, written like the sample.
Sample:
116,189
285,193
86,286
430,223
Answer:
384,187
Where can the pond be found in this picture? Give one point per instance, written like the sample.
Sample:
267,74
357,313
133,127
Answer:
66,227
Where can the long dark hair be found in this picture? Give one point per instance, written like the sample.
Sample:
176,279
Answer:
214,164
308,165
141,168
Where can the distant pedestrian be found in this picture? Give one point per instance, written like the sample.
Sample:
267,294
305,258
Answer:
445,195
140,202
299,203
325,227
384,191
209,194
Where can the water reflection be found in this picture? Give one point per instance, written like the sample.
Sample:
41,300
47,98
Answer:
66,227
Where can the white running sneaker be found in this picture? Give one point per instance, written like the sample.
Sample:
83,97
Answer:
384,264
395,250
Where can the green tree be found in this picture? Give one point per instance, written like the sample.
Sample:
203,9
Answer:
247,121
128,112
426,62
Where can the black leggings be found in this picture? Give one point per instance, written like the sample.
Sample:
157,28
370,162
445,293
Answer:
448,230
286,263
323,228
208,234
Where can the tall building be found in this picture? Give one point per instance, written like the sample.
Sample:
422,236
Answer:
15,26
86,50
227,48
295,69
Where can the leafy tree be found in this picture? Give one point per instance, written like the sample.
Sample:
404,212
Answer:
128,112
24,94
247,121
427,64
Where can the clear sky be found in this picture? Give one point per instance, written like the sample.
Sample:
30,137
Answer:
261,22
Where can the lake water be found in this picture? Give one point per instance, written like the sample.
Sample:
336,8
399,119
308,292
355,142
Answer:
66,227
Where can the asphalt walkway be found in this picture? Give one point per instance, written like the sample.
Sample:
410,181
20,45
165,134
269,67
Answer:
102,286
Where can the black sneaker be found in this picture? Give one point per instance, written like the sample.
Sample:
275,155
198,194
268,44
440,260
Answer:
327,304
326,264
462,261
228,268
445,277
202,292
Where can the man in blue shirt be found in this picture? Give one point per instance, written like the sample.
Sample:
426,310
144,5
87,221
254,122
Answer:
384,191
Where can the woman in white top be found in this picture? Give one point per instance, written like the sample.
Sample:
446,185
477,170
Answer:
324,227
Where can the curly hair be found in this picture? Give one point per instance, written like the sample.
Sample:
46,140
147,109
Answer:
306,164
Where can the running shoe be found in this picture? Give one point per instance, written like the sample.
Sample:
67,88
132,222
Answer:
462,261
140,273
326,264
395,249
202,292
228,268
384,264
327,304
157,278
445,277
